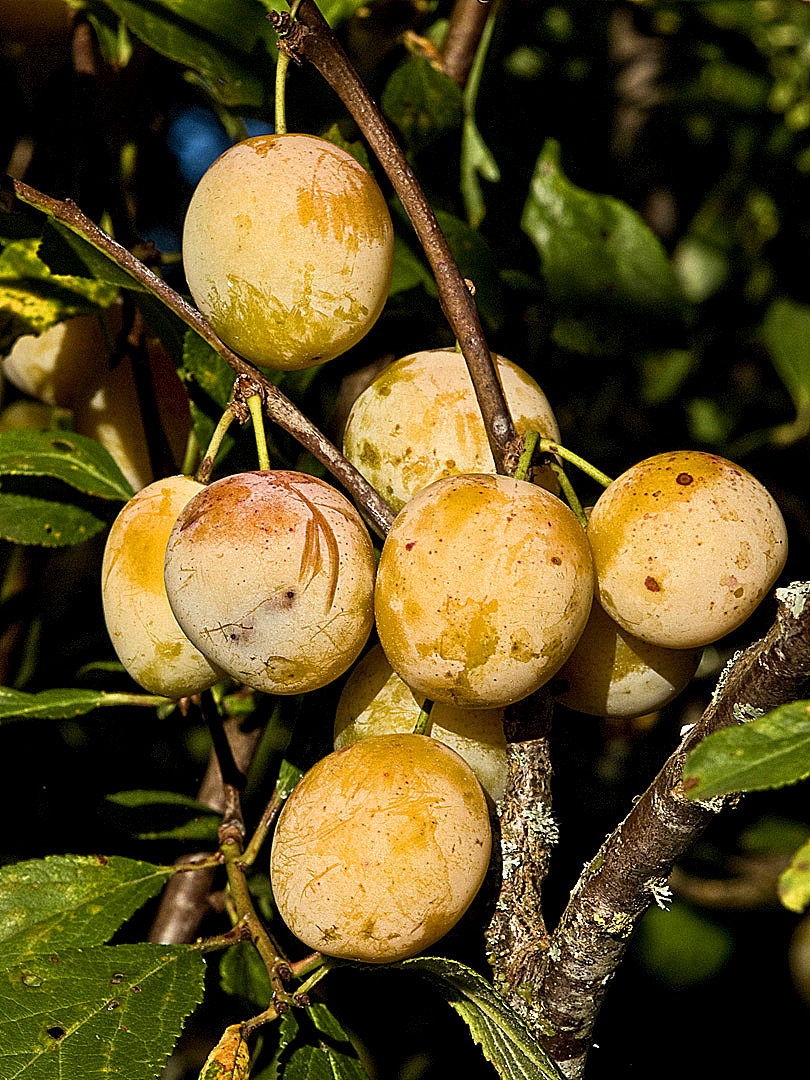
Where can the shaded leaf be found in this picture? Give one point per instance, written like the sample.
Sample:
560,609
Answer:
423,103
64,704
96,1012
313,1046
503,1037
606,272
166,815
682,946
476,262
74,459
786,333
243,973
68,252
768,752
45,522
71,900
230,44
32,298
793,886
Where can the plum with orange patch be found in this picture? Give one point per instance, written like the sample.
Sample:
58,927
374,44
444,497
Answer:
271,575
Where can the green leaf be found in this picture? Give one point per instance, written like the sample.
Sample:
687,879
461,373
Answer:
423,103
96,1012
45,522
793,886
476,161
605,271
64,704
786,333
66,901
166,815
476,157
313,1046
768,752
682,946
243,973
74,459
503,1037
32,298
203,367
230,44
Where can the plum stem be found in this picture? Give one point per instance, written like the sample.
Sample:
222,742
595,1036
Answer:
525,461
423,722
549,446
255,405
203,474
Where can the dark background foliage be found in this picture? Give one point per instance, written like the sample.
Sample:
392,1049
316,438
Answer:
697,115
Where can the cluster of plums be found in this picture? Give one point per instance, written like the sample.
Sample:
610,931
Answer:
487,587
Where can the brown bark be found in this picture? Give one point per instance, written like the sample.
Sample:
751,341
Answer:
308,37
560,993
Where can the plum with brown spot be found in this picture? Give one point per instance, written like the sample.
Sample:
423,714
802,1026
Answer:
271,575
686,544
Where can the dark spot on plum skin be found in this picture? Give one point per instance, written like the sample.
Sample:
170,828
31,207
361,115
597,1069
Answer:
409,545
684,478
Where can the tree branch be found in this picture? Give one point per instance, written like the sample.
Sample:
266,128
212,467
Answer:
516,937
277,406
309,37
467,22
633,865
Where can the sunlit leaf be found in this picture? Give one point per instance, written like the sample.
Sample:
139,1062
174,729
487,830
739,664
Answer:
96,1012
767,752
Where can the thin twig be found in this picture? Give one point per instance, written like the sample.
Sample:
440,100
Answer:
278,407
467,21
309,37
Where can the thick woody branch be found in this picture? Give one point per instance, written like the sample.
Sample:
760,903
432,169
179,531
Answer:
516,937
632,868
309,37
277,406
467,22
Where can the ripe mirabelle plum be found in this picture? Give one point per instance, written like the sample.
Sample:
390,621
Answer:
483,589
381,848
613,674
110,413
288,250
375,701
271,575
57,365
685,544
142,628
419,421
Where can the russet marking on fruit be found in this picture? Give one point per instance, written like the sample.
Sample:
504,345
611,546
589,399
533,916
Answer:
288,248
280,588
680,563
380,848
